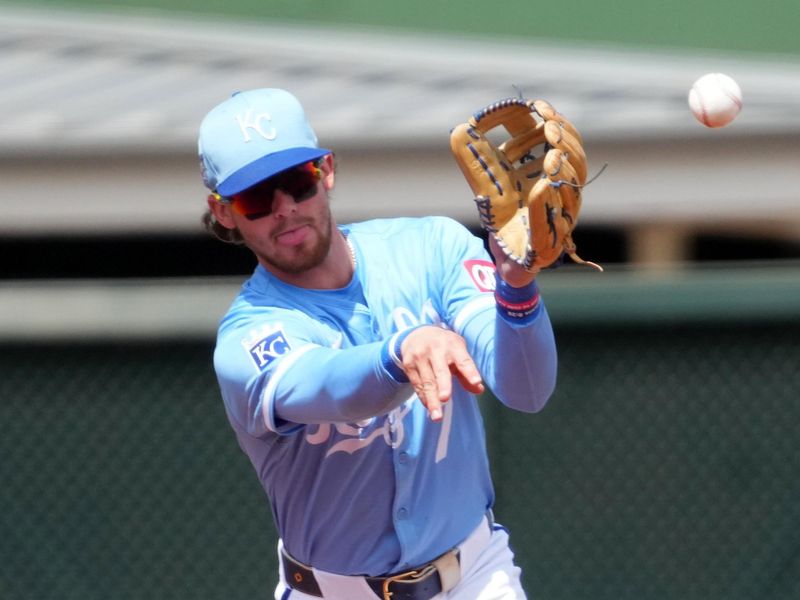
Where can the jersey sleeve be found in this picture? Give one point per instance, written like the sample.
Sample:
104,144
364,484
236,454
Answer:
515,350
278,372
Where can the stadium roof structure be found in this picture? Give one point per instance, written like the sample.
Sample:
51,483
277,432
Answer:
81,81
91,86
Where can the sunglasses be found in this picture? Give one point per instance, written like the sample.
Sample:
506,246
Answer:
256,202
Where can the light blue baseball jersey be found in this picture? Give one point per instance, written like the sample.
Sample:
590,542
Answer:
360,480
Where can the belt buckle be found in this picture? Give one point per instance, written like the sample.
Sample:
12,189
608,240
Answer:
407,576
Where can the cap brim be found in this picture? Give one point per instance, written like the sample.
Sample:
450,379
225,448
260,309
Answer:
267,166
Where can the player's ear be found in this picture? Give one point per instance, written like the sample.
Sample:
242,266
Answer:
328,172
221,212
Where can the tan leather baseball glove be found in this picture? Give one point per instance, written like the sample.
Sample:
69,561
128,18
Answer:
528,186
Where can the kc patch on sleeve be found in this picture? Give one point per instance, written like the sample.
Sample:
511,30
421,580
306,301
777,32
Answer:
265,345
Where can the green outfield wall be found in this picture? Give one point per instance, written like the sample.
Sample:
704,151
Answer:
666,466
761,26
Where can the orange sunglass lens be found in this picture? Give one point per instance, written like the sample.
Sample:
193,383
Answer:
300,183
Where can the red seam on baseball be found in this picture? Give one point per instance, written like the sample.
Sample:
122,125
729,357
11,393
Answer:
702,107
735,100
731,96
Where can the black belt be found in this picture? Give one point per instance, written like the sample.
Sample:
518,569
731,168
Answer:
420,584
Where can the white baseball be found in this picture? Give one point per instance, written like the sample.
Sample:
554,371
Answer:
715,99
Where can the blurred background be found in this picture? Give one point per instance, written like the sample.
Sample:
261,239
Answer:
667,464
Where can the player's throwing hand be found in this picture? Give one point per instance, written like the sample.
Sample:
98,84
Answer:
431,357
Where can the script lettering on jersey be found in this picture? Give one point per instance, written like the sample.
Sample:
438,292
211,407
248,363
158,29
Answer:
390,429
255,122
404,319
265,345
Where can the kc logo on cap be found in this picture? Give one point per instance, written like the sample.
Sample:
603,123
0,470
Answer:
252,136
250,121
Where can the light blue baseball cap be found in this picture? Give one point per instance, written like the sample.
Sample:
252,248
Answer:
252,136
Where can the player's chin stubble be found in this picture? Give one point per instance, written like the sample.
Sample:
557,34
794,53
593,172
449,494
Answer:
305,260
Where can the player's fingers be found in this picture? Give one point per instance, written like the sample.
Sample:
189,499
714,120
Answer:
463,366
423,380
428,394
431,357
434,406
465,369
443,377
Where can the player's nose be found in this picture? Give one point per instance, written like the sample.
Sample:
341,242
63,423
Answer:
283,204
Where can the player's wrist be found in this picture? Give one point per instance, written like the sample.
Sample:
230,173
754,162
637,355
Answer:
519,304
392,357
517,278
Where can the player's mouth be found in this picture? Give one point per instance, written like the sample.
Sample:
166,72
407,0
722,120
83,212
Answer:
294,236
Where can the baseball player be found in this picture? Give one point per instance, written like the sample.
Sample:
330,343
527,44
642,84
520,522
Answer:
349,366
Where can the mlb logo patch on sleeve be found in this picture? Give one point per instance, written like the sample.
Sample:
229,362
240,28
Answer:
482,273
265,345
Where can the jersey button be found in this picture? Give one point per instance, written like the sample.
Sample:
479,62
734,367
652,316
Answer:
402,514
403,458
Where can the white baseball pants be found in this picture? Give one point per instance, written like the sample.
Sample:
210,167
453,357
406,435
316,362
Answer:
487,568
